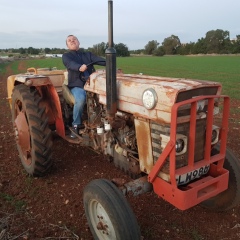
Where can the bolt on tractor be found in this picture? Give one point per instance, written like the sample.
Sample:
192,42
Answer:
168,134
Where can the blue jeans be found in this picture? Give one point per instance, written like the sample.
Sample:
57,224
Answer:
80,100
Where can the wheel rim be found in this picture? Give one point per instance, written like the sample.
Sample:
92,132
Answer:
100,221
22,134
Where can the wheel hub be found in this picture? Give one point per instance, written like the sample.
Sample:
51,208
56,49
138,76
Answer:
101,226
22,135
101,221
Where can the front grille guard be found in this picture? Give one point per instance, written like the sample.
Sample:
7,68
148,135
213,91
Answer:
212,183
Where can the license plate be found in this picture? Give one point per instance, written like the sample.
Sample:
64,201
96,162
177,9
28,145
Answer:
188,177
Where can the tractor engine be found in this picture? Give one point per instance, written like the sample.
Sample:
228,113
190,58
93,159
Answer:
118,140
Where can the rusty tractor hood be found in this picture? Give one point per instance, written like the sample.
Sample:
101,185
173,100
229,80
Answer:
130,88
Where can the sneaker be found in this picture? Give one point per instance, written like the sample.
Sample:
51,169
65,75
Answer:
74,132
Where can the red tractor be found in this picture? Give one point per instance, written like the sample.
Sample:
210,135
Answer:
169,134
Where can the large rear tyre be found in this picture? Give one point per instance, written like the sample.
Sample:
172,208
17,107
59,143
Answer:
230,198
108,213
33,137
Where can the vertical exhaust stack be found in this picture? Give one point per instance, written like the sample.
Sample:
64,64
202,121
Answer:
111,83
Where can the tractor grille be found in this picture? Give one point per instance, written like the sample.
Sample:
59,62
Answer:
184,129
181,160
205,91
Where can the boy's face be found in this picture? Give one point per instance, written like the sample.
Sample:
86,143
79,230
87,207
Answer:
72,43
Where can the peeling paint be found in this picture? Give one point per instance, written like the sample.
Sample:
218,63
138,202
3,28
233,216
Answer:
130,88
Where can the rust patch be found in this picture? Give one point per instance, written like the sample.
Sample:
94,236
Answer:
144,144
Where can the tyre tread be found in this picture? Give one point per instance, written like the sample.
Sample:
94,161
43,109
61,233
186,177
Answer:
129,228
41,138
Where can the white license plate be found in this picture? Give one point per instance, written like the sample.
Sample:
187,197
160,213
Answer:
188,177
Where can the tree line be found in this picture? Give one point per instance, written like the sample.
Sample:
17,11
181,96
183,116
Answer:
216,41
98,49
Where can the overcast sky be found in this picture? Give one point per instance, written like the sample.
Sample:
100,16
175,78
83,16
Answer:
41,24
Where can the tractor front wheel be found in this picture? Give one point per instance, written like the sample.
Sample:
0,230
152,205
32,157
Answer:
108,212
33,137
230,198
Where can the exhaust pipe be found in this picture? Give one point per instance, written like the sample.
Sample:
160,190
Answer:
111,83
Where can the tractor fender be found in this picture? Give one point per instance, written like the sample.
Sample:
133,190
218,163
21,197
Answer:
10,86
50,99
27,79
48,93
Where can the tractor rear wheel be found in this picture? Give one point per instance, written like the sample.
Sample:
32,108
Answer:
108,212
230,198
33,137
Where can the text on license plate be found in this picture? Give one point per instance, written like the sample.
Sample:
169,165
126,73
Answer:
187,177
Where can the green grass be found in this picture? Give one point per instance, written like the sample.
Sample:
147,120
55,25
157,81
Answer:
223,69
37,63
17,204
14,66
3,68
45,63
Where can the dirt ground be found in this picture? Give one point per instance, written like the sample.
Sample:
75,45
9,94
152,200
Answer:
52,207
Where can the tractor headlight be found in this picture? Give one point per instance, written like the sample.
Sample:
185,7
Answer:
181,144
149,98
201,104
215,134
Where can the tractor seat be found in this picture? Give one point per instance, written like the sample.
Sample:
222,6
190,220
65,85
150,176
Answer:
67,95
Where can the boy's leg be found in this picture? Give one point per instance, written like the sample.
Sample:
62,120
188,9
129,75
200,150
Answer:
80,100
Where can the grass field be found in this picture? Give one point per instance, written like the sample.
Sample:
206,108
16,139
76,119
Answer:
224,69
